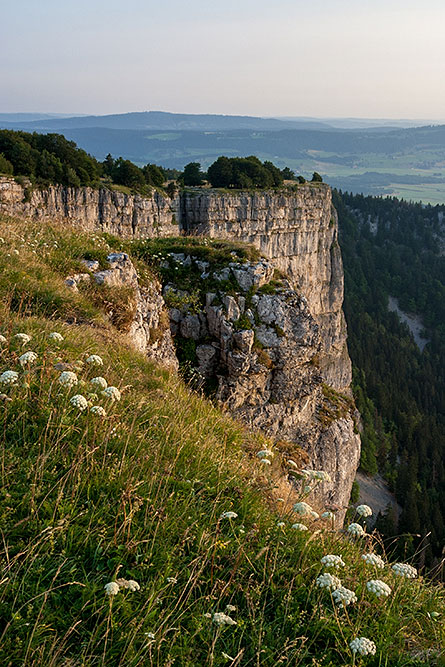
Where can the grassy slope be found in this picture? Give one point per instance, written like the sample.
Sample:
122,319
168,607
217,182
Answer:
139,494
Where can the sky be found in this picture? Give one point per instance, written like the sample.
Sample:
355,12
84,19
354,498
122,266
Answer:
323,58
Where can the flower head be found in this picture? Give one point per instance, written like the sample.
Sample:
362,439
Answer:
331,560
344,596
356,529
265,462
95,360
230,607
112,588
22,338
280,524
328,515
319,475
374,559
99,382
132,585
112,393
302,508
219,618
405,570
79,402
229,515
27,358
364,510
362,646
54,335
327,580
2,340
299,526
68,379
98,410
172,580
9,377
378,587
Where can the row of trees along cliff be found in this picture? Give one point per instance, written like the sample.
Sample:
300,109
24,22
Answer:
46,159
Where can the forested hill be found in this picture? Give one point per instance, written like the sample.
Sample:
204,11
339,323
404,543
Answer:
394,248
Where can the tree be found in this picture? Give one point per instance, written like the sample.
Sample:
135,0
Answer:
288,174
192,174
316,178
128,174
220,173
5,166
301,180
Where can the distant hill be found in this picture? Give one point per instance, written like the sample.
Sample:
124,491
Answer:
162,120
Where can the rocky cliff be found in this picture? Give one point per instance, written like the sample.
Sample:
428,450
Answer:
279,357
105,210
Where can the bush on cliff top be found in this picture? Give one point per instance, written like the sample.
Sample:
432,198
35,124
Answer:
159,498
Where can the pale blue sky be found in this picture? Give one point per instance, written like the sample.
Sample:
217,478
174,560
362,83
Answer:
371,58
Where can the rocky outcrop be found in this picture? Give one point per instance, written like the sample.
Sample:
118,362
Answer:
297,230
90,209
149,329
263,347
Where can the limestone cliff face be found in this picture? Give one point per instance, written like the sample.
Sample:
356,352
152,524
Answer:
298,232
263,349
105,210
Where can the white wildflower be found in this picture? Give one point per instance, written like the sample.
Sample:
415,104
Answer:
27,358
356,529
229,515
133,585
299,526
374,559
54,335
378,587
362,646
327,580
112,588
314,515
9,377
100,382
79,402
219,618
265,462
280,524
331,560
328,515
207,615
344,596
292,464
2,340
112,393
172,580
149,635
98,410
230,607
405,570
22,338
364,510
95,360
302,508
68,379
264,453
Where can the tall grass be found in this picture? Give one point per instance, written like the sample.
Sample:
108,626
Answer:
139,494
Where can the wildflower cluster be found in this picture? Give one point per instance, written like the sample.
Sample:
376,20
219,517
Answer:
98,410
362,646
54,335
27,358
405,570
328,580
113,587
9,377
356,530
79,402
68,379
344,596
378,587
374,559
100,382
112,393
220,619
22,338
95,360
299,526
316,475
364,511
332,561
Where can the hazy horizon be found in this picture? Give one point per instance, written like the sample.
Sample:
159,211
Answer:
341,59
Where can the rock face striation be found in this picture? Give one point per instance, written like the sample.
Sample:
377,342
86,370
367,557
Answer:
105,210
280,358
